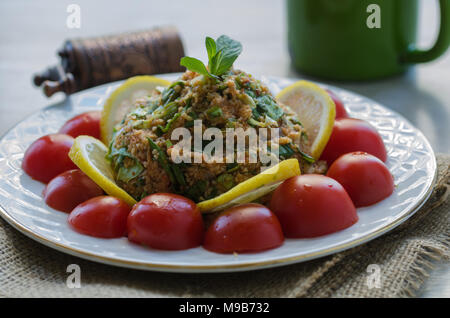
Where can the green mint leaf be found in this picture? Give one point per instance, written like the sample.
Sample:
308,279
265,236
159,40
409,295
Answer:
196,65
221,56
215,62
226,43
210,48
230,51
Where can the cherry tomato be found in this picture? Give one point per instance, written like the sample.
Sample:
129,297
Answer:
350,134
48,156
244,228
366,178
70,188
166,221
312,205
84,124
340,109
102,216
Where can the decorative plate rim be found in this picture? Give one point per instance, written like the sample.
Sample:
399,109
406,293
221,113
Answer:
250,265
240,267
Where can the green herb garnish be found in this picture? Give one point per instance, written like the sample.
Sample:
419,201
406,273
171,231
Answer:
172,170
139,113
231,122
164,129
117,157
170,94
266,104
226,181
254,123
166,111
178,174
305,156
231,167
126,174
221,55
197,190
214,111
285,151
162,159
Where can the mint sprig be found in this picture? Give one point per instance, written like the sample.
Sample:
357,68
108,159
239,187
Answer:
221,55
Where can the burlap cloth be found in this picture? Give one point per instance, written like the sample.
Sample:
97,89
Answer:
404,257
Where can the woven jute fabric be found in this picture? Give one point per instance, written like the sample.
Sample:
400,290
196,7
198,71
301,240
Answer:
402,258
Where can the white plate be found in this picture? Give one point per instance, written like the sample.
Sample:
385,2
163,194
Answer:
410,159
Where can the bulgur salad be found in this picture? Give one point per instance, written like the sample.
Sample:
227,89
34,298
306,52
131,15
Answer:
140,151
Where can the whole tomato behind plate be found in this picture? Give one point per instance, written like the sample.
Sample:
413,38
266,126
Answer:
87,123
351,134
340,109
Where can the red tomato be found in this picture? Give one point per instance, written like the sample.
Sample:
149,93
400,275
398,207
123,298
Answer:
350,134
312,205
70,188
166,221
366,178
84,124
48,156
244,228
340,109
103,216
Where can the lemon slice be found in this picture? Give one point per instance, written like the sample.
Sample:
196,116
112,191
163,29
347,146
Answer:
88,154
315,109
253,188
122,99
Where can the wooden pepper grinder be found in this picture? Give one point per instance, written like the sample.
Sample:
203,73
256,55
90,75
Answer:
93,61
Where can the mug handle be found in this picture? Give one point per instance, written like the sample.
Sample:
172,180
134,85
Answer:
442,42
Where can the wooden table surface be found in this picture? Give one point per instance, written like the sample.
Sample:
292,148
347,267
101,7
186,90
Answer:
32,31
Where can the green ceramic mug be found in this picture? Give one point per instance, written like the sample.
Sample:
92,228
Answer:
359,39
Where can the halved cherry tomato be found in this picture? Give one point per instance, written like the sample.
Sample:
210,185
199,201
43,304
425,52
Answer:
351,134
244,228
84,124
48,156
102,216
340,109
366,178
312,205
166,221
70,188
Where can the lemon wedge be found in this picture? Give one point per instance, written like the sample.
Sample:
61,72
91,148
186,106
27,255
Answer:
122,99
88,154
253,188
315,109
